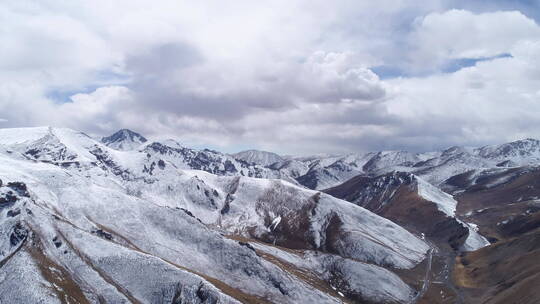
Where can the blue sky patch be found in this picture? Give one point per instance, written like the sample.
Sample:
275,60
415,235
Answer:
458,64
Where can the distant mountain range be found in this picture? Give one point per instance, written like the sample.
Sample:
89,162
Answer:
322,172
126,219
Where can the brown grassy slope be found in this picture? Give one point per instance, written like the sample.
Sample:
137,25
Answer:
505,272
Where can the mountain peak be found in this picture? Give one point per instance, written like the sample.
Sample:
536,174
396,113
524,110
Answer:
258,157
515,149
124,139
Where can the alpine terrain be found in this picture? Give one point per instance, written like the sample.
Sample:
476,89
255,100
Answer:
128,219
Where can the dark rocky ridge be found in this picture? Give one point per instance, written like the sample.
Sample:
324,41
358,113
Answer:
123,134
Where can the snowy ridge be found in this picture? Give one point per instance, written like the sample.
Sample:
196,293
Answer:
137,227
262,158
444,201
14,136
326,171
434,167
119,215
447,204
256,203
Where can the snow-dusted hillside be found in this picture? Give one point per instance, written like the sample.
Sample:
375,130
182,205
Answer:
407,199
83,222
262,158
156,222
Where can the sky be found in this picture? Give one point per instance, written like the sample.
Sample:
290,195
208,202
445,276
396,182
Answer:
294,77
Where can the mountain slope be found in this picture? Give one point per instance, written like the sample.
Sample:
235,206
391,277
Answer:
506,272
84,222
413,203
496,202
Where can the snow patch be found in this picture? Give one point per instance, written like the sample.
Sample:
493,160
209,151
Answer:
474,240
275,223
444,201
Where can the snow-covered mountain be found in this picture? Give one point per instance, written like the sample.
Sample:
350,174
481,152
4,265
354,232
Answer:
263,158
86,221
326,171
457,160
83,222
124,140
434,167
527,150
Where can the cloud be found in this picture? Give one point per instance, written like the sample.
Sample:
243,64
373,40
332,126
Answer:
460,34
290,77
334,77
493,101
56,50
99,111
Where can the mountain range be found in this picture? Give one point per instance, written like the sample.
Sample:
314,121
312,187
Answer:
127,219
